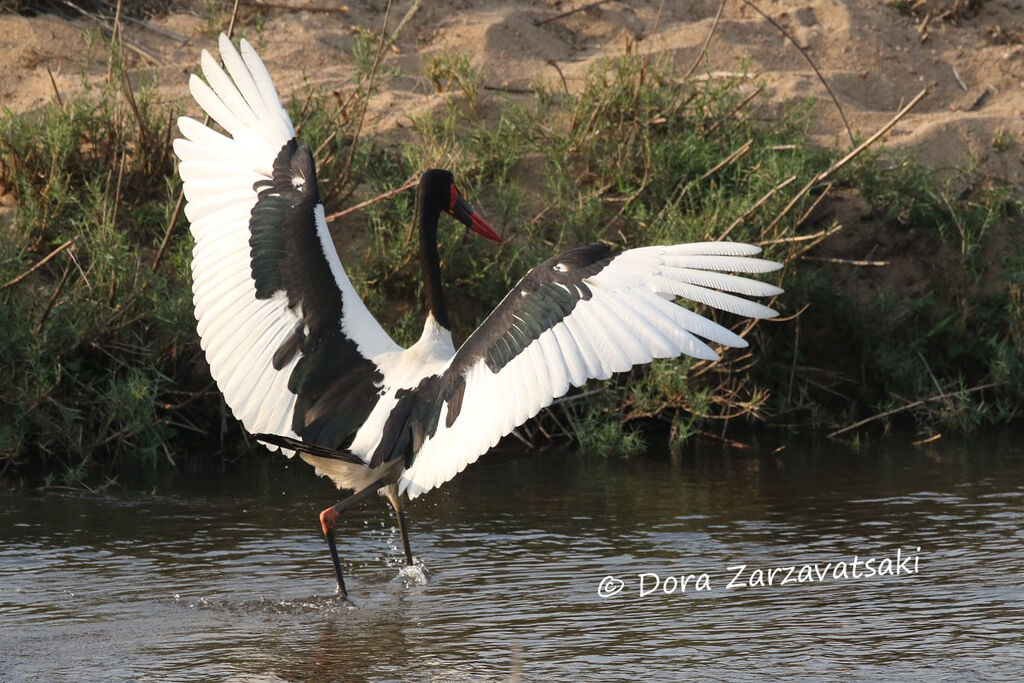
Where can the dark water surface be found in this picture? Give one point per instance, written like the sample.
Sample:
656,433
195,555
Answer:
226,578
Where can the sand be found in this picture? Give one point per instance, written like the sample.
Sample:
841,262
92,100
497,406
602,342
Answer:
968,53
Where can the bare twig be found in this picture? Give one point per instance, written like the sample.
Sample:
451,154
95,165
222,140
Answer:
170,228
707,41
572,398
46,259
958,79
234,16
155,29
810,61
109,30
554,418
801,238
744,102
181,193
657,19
739,152
56,90
369,89
117,190
323,145
405,19
78,265
831,170
913,404
263,4
844,261
141,51
509,89
727,441
814,205
368,202
53,298
129,95
871,140
523,439
935,380
647,56
787,318
115,37
565,85
795,254
715,75
923,30
749,212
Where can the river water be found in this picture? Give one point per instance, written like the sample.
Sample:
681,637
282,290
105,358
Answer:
225,577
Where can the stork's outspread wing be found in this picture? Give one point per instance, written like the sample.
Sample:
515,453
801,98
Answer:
584,314
290,343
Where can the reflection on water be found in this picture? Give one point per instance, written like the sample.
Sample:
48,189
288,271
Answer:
229,580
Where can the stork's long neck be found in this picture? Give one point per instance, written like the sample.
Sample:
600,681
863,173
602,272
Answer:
430,261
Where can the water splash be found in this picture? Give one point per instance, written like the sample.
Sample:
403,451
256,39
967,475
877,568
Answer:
415,574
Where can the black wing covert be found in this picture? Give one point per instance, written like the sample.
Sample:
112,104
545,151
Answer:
542,299
337,387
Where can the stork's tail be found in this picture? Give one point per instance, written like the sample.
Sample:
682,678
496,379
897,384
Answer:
308,448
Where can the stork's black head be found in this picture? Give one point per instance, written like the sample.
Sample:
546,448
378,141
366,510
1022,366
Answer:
437,193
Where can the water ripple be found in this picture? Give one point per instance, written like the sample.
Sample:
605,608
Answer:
237,584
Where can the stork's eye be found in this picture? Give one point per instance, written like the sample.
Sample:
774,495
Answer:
454,197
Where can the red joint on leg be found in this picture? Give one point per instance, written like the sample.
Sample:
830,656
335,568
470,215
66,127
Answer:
327,519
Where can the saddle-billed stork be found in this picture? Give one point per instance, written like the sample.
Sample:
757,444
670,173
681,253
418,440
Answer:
306,367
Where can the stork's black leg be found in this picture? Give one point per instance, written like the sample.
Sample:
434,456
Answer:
328,519
329,534
396,502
